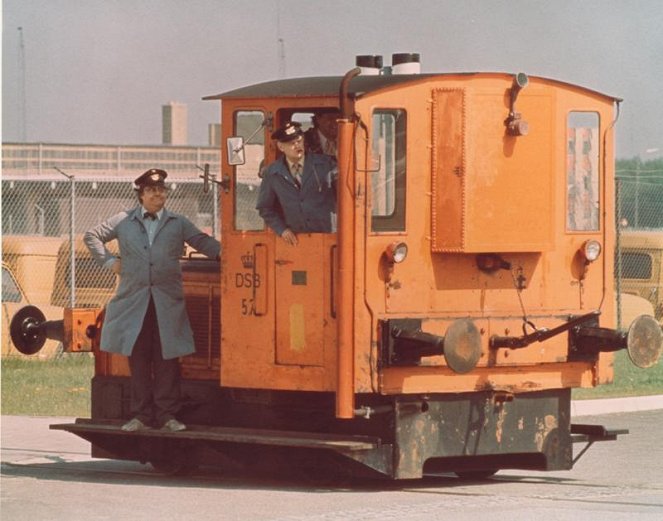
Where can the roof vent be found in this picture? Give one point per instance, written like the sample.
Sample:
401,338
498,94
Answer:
370,64
405,63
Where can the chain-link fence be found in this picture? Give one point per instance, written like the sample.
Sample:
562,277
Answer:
43,221
41,216
639,244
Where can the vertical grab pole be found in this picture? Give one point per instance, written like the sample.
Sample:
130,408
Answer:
346,239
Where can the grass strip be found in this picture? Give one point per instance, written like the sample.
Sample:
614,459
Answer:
61,387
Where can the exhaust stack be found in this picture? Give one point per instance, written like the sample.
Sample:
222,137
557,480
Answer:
370,64
405,63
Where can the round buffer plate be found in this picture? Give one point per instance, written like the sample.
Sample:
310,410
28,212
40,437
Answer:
26,330
644,341
462,345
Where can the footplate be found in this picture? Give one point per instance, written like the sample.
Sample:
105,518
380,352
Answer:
199,444
583,433
88,429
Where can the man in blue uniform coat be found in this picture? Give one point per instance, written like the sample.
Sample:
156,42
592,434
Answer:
298,190
146,320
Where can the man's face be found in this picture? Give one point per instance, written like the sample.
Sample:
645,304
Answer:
154,197
327,125
293,150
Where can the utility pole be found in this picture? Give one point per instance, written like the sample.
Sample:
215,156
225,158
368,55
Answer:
280,42
637,194
281,58
21,87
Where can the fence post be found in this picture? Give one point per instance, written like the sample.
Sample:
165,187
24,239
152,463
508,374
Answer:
637,194
618,250
72,239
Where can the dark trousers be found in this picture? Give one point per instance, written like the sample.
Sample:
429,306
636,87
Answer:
155,382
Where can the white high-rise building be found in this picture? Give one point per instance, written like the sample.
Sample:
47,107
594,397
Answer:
174,116
214,134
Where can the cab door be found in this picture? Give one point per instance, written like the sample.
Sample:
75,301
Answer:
276,313
302,279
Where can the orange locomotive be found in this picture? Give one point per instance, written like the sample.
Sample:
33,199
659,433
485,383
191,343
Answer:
468,287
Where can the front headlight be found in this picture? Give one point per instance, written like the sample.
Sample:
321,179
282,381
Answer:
396,252
591,250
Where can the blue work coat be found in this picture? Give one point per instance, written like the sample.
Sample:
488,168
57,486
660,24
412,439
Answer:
148,271
311,208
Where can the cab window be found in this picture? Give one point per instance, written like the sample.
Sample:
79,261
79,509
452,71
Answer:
582,171
247,176
388,148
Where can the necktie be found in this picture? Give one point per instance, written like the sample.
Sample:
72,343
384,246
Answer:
330,148
297,172
150,215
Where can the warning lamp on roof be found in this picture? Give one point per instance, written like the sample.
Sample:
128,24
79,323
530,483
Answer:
515,125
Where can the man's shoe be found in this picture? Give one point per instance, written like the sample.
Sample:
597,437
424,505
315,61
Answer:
134,425
173,426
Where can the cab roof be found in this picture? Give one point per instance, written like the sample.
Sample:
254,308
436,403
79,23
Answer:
324,86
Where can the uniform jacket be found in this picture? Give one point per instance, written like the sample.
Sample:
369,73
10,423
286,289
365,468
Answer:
148,271
311,208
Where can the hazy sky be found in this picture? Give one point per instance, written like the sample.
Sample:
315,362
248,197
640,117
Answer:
98,71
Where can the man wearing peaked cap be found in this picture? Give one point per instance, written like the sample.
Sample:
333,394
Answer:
153,176
298,190
288,132
322,137
146,320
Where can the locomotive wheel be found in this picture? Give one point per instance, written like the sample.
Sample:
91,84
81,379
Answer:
173,468
476,474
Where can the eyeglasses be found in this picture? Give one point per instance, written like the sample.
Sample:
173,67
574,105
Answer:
155,189
295,142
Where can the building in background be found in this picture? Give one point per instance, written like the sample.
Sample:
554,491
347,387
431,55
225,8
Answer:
214,134
174,119
37,197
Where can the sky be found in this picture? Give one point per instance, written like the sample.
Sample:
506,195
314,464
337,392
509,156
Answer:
98,71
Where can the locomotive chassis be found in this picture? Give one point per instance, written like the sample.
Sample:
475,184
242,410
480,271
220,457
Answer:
403,437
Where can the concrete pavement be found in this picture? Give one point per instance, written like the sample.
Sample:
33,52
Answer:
615,405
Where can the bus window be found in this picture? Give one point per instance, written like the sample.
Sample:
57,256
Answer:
636,266
388,182
10,290
582,172
247,178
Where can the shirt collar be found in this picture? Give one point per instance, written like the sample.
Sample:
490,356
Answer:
143,211
291,164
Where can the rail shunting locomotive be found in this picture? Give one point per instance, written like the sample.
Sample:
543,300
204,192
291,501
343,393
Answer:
467,288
